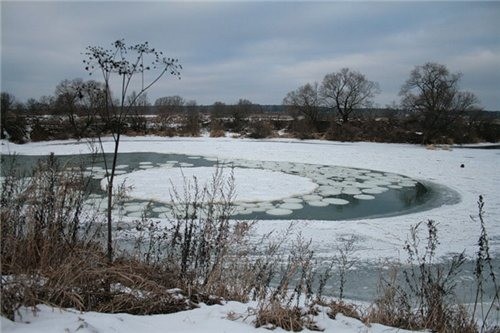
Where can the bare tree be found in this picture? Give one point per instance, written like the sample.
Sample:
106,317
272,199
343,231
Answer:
192,118
170,104
140,101
305,101
139,106
80,102
346,91
218,110
240,112
6,102
168,109
122,64
43,106
12,119
433,93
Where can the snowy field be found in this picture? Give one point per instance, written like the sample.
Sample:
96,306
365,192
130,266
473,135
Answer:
380,238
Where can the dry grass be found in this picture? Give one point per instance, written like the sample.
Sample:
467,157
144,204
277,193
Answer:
51,252
346,309
274,314
87,282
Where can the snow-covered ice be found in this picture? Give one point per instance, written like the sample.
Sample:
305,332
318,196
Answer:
380,237
252,184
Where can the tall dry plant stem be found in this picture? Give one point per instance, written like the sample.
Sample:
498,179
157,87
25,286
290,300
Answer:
483,272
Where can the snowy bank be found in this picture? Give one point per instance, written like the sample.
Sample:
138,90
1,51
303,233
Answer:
231,317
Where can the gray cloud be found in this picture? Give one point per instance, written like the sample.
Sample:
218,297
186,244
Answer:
256,50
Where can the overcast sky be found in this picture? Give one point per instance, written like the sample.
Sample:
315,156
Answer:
256,50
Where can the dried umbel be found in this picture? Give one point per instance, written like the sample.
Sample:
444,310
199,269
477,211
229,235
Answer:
122,64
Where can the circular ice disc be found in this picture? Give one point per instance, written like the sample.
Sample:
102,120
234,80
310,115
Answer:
291,205
364,197
312,197
374,190
336,201
351,190
318,203
279,211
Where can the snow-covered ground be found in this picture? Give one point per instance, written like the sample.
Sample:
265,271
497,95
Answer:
380,238
229,318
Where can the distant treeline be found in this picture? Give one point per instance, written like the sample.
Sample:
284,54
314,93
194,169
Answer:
282,109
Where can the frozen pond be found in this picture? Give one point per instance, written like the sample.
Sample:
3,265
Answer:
264,190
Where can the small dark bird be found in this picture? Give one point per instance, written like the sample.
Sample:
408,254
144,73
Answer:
462,166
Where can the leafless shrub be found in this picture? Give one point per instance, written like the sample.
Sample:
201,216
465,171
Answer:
191,122
199,245
345,260
392,307
260,129
217,128
200,236
290,302
425,299
266,266
296,275
302,129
